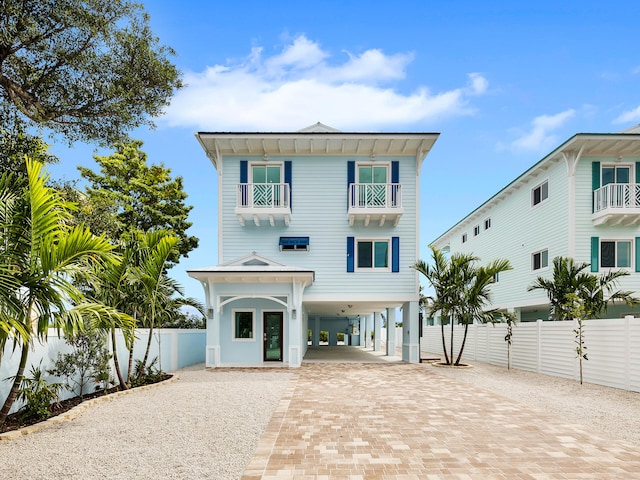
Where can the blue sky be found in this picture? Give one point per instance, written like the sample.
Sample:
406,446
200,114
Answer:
503,83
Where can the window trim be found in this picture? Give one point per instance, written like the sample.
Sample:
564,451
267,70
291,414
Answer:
476,230
615,259
487,223
373,268
263,163
464,238
615,166
385,164
542,268
539,186
253,324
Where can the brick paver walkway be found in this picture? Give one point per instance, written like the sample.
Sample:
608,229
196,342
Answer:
396,420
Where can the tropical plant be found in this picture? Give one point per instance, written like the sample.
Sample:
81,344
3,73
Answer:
570,283
461,292
510,319
37,394
39,256
575,294
87,363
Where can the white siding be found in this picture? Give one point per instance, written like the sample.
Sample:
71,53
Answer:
319,211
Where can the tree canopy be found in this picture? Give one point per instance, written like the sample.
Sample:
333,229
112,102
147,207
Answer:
133,196
89,70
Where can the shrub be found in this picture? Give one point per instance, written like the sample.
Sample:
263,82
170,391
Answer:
38,395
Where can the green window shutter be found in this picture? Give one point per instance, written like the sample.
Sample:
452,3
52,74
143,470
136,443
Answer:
637,172
637,254
595,253
595,175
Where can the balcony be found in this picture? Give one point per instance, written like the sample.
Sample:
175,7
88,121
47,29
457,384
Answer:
263,202
377,202
616,203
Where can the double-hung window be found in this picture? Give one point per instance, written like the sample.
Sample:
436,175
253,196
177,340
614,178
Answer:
372,254
539,260
540,193
615,253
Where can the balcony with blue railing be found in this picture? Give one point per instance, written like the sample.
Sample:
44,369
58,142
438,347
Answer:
263,202
375,202
616,203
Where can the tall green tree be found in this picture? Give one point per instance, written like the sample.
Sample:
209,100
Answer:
89,70
40,254
462,289
16,144
139,197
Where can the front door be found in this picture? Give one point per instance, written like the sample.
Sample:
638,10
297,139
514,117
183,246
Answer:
272,336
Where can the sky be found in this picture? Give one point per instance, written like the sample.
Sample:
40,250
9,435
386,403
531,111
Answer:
503,82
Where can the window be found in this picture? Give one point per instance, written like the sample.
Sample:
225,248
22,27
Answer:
615,253
487,224
243,325
373,254
496,277
615,174
476,230
464,238
266,180
372,188
540,260
294,244
540,193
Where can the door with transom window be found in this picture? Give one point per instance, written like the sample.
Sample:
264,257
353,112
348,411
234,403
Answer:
272,336
266,185
372,188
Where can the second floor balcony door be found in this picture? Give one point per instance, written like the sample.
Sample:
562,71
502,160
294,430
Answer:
373,185
266,185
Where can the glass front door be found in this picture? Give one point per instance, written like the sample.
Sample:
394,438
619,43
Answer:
373,180
266,185
272,336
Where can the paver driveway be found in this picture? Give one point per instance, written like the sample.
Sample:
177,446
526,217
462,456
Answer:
395,420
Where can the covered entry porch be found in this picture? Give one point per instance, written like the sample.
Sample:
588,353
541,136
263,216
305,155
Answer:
347,354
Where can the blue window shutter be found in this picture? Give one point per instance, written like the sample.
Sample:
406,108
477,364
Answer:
351,178
595,253
244,171
395,254
287,179
637,254
350,253
395,172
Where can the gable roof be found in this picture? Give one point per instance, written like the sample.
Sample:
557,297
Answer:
626,143
317,139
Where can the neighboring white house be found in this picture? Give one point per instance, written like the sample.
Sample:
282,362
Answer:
317,230
582,201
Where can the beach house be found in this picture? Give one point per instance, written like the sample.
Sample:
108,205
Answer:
582,200
317,232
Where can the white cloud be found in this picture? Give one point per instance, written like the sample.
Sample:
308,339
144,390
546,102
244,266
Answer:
628,116
299,86
540,136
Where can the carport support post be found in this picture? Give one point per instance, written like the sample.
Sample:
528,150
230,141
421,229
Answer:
315,332
391,331
410,332
362,327
367,332
376,331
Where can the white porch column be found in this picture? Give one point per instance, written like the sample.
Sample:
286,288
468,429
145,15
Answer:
410,332
315,331
391,331
362,327
367,332
377,323
212,347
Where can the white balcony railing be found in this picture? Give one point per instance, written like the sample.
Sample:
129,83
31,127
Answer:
375,195
259,202
263,195
616,195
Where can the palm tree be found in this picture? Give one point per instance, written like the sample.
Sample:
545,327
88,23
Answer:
461,292
570,281
39,256
578,295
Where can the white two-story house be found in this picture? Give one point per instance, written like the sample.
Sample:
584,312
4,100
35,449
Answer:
317,231
582,200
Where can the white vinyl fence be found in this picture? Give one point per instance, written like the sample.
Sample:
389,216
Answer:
613,348
174,348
